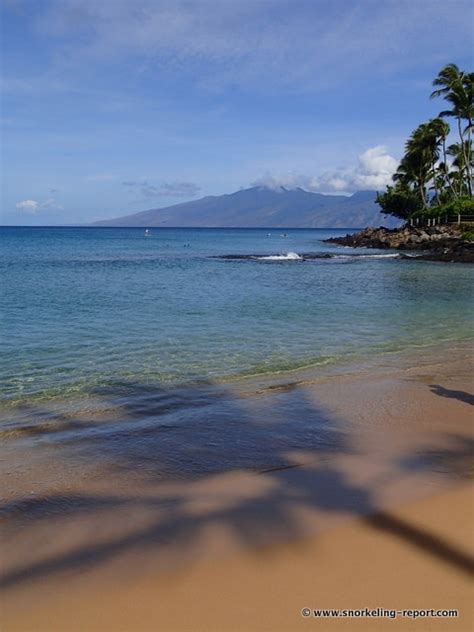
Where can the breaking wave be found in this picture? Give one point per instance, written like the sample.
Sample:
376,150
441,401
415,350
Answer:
290,256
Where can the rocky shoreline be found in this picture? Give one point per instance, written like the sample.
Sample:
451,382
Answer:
435,243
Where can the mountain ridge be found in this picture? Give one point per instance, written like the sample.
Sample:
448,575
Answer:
258,207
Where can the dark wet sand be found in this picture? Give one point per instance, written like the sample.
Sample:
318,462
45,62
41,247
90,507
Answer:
380,517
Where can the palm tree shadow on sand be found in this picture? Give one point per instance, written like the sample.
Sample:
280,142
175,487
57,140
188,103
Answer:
461,396
201,433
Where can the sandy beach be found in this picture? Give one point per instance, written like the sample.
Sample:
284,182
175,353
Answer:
383,521
413,559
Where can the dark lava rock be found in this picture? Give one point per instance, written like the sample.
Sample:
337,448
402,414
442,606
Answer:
437,243
462,252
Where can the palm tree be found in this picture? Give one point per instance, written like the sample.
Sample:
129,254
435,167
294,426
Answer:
459,152
418,166
424,167
457,89
441,131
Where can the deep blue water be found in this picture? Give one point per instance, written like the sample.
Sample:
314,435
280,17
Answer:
84,308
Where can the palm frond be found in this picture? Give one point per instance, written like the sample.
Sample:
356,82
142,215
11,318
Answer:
446,113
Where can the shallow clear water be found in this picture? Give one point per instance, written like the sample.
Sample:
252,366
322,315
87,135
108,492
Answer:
85,308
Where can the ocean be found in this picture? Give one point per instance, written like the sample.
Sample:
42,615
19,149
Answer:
97,320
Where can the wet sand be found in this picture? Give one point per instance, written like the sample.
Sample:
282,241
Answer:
382,517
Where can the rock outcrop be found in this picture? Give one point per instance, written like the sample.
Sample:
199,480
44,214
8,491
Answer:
436,243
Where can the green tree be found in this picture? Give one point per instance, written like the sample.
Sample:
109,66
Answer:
417,166
441,131
432,176
461,152
400,201
457,88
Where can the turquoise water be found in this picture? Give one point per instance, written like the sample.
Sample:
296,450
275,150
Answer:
85,308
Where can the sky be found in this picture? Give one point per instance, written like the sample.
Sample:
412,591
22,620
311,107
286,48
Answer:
118,106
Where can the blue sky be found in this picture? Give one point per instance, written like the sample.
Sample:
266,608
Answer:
118,106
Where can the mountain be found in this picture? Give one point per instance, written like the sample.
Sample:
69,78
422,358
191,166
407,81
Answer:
263,207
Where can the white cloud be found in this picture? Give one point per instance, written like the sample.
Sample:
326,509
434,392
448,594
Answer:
374,170
33,206
376,167
28,206
52,204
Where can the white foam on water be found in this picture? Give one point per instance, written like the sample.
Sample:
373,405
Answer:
391,255
290,256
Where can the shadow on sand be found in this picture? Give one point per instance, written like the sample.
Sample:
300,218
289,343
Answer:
196,434
461,396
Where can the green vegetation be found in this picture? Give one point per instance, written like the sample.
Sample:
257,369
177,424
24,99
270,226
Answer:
459,206
434,179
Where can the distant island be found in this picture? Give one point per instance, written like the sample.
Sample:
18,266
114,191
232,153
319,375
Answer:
429,206
264,207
